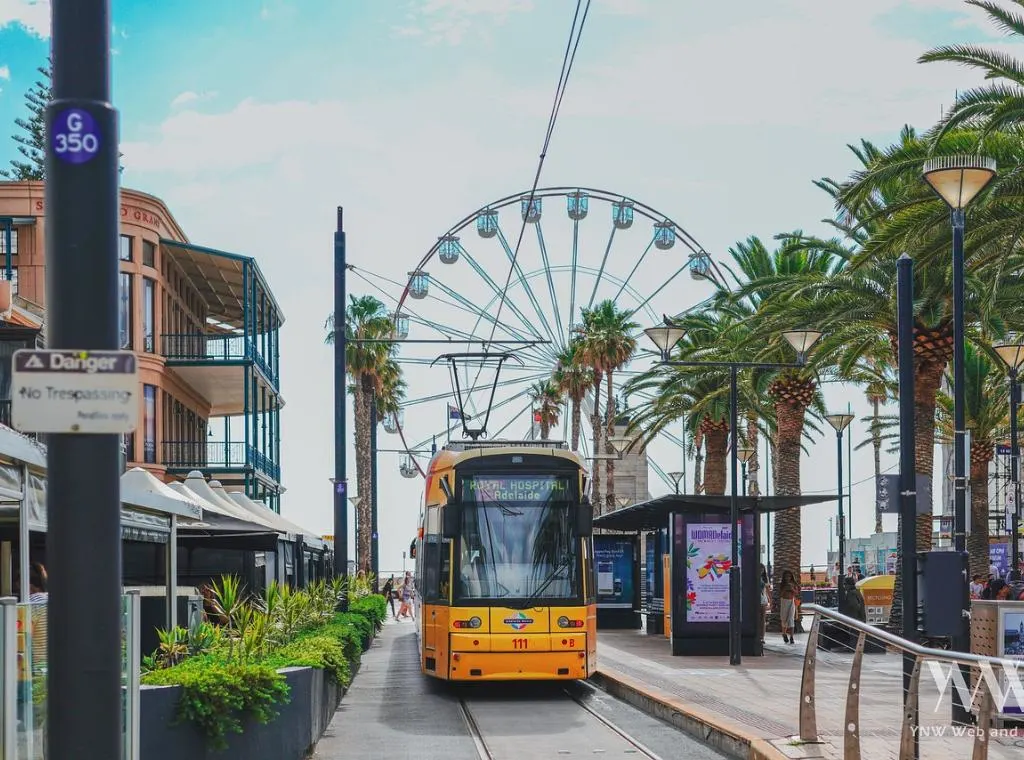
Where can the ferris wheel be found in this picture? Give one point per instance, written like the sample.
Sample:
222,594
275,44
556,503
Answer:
560,250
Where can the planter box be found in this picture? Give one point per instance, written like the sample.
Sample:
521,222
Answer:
290,736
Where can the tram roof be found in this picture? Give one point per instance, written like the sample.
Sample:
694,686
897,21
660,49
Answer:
460,451
654,513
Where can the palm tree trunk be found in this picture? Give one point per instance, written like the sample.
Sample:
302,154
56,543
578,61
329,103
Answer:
754,463
977,538
787,547
876,443
595,422
363,509
698,461
545,427
609,465
575,424
928,375
716,437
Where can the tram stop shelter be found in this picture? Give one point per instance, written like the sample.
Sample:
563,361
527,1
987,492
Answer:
687,543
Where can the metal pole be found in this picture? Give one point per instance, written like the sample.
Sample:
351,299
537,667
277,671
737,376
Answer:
340,412
1014,471
84,711
849,477
840,592
735,604
908,477
374,555
743,477
961,643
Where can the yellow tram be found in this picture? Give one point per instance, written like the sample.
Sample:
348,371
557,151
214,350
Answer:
504,565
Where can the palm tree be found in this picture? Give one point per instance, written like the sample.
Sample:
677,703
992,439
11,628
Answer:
573,378
998,106
877,394
546,396
986,414
589,359
374,374
609,344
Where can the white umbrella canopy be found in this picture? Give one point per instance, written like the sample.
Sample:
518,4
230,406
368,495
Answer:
258,508
197,484
140,488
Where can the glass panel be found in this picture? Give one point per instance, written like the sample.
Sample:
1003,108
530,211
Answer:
124,314
32,638
149,445
10,478
36,494
148,254
148,314
125,248
518,539
3,242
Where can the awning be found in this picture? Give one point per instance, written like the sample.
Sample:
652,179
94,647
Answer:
259,509
653,514
15,447
140,488
226,506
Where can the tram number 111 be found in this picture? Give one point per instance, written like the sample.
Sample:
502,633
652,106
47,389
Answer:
520,643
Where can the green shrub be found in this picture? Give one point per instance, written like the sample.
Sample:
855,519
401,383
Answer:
374,607
323,650
219,697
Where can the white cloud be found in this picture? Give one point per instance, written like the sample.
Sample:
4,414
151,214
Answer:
720,115
32,15
5,73
189,96
451,21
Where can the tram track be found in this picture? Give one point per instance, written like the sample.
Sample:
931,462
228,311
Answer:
560,724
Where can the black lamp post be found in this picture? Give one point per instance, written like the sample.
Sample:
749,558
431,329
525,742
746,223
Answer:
958,180
665,337
839,423
1012,354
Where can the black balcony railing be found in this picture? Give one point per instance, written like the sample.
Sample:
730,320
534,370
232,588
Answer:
218,455
6,418
203,347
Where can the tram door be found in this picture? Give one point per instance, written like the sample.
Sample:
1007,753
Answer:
431,579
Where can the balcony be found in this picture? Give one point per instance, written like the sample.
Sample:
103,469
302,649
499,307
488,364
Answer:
218,456
212,348
5,419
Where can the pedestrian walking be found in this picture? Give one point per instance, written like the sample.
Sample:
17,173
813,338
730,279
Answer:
788,592
390,593
766,602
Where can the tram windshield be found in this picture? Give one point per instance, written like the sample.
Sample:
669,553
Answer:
518,538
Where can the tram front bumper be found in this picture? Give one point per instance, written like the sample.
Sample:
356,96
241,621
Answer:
518,666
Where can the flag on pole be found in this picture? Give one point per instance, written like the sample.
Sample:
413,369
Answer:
455,414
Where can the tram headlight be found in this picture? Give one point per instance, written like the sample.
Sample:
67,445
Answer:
565,622
473,622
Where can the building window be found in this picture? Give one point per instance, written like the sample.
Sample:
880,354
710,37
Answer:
3,242
149,445
14,277
148,254
124,312
128,447
148,313
125,250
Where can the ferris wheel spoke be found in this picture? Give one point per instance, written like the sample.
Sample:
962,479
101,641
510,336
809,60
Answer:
575,259
447,394
448,332
526,284
498,291
604,263
469,307
551,282
458,423
661,288
636,266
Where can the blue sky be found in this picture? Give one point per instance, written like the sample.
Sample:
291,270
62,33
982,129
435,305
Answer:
254,120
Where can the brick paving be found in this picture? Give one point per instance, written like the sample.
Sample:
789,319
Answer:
762,695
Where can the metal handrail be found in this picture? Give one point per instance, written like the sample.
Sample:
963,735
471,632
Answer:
908,748
961,658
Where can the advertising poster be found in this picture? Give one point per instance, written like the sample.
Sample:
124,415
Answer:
708,560
614,557
1011,647
999,555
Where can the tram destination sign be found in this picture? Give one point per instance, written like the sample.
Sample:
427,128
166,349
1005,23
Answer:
92,392
516,488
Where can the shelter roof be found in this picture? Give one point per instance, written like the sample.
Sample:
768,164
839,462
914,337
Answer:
654,513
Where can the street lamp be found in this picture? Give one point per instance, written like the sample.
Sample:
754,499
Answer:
839,423
958,180
621,445
665,337
676,477
745,453
1012,354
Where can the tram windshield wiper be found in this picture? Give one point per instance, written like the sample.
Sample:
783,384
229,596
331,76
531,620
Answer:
552,576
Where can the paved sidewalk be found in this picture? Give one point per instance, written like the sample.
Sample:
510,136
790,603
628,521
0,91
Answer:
760,699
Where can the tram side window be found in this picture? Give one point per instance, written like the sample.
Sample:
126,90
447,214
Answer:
431,556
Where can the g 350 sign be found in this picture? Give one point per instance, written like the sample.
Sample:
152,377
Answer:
75,137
